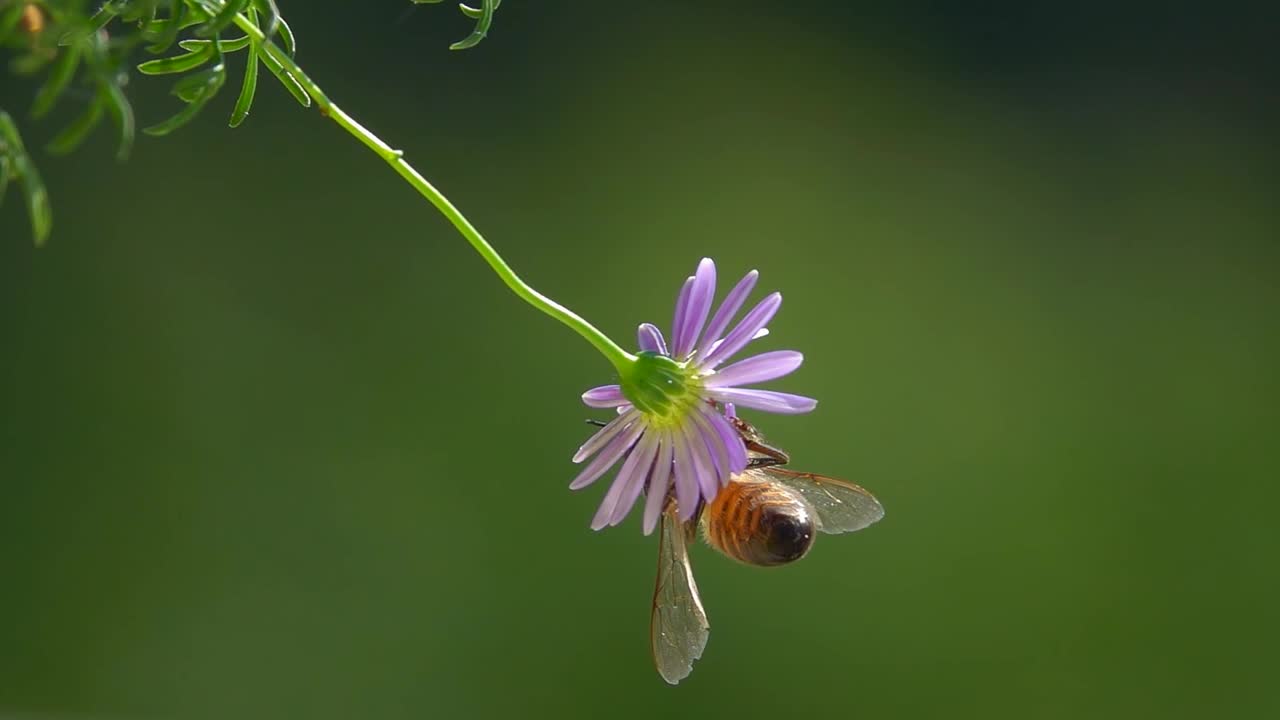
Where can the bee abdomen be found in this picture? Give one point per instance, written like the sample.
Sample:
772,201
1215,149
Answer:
759,523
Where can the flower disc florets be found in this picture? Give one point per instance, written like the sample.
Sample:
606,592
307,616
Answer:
670,426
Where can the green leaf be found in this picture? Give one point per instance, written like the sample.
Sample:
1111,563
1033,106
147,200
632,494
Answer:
287,39
194,85
30,63
122,113
191,15
476,13
286,78
75,133
140,12
105,14
21,167
163,33
59,77
482,26
178,63
248,86
9,20
232,45
5,169
225,16
37,205
198,94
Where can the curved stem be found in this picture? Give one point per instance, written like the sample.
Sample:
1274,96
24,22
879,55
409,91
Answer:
621,359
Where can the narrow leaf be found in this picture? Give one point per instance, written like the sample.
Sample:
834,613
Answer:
286,78
177,63
5,169
287,39
476,13
231,45
9,20
213,83
163,33
482,25
248,87
193,86
122,113
30,63
75,133
225,16
59,77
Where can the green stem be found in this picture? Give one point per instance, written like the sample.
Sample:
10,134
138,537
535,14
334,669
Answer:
621,359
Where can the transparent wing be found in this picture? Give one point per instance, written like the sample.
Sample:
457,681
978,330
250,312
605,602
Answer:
678,627
841,506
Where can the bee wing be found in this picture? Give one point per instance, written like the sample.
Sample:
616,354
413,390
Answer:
678,627
841,506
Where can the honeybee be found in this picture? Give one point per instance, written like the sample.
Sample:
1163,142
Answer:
766,516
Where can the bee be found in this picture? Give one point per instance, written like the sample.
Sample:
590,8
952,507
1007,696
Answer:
766,516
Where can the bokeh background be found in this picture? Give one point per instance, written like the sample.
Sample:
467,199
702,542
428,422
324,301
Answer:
275,443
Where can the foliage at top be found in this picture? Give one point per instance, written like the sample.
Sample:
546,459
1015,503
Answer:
88,46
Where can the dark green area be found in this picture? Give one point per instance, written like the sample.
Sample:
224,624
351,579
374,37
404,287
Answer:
275,443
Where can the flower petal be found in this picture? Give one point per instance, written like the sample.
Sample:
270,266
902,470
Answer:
759,316
682,303
716,447
728,308
602,436
762,332
630,468
607,457
732,442
659,483
605,396
649,338
686,477
704,467
639,478
755,369
700,296
767,400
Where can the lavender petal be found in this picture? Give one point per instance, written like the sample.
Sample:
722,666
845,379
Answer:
607,457
755,369
649,338
659,483
621,481
605,396
686,477
682,302
639,479
715,446
767,400
759,316
724,315
700,296
602,436
732,442
762,332
704,467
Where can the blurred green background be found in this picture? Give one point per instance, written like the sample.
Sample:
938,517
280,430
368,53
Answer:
275,443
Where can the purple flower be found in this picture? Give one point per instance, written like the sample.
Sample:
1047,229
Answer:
670,427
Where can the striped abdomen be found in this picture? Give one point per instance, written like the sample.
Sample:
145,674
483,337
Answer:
759,523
